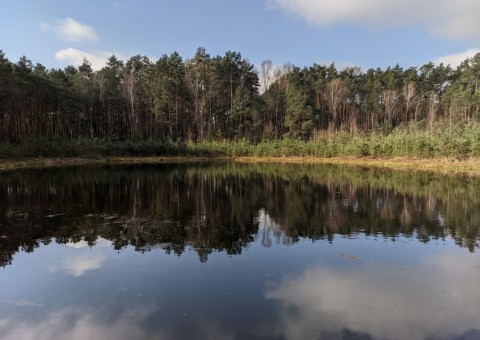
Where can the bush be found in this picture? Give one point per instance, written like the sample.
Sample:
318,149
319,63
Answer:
459,141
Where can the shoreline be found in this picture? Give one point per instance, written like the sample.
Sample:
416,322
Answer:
51,162
439,165
443,165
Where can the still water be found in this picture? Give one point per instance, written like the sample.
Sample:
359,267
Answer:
230,251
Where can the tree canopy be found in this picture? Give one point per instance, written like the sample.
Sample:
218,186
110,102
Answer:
226,98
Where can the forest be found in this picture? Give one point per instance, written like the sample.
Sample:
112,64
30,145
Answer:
211,105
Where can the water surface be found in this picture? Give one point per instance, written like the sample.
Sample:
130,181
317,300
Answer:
238,252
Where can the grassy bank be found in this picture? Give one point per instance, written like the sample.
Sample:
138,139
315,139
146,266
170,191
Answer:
445,148
444,165
457,142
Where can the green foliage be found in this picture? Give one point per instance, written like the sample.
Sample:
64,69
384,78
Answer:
211,106
459,142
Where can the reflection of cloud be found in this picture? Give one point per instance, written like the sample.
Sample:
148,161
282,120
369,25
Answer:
82,264
77,245
82,259
437,298
100,242
86,322
79,323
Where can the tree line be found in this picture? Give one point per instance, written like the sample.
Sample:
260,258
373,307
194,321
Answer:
207,98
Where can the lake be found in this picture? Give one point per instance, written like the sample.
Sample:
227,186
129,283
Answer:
229,251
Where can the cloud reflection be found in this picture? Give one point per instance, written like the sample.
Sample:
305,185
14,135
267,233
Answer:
87,322
82,264
80,260
79,323
435,298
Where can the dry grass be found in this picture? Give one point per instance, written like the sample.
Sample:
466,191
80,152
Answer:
444,165
6,165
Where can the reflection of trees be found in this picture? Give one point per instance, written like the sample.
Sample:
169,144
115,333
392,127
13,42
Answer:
168,208
270,231
321,201
219,208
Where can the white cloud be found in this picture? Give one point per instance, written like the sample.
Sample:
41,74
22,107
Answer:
71,30
446,18
454,59
73,56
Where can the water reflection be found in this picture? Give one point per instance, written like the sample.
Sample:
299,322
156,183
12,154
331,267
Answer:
85,322
314,252
372,292
218,208
434,298
81,261
80,323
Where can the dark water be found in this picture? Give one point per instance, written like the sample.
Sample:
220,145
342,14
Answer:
238,252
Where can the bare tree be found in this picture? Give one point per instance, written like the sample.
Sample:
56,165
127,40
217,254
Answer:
409,92
336,91
128,85
266,75
431,112
390,100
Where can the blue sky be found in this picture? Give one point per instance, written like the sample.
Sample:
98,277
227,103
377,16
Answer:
365,33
